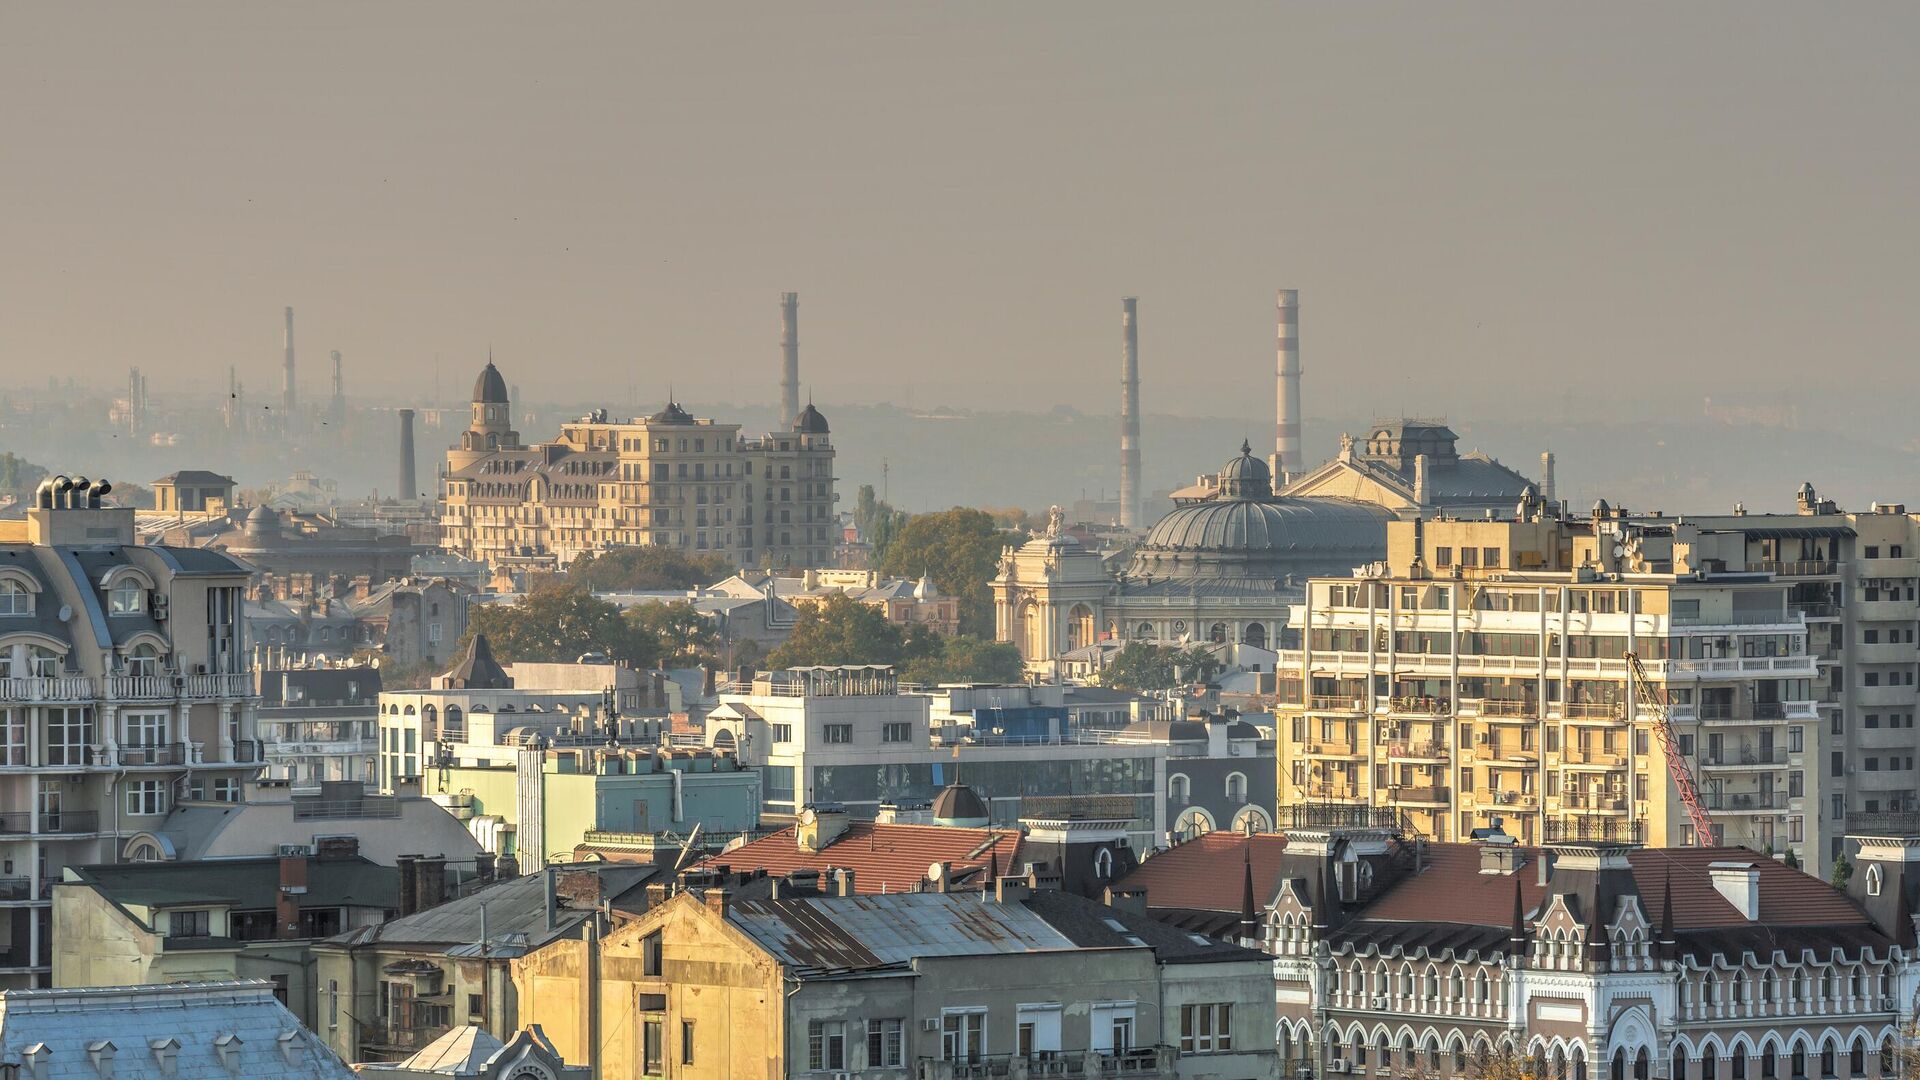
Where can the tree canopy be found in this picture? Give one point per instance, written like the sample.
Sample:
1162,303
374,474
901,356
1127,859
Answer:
639,569
877,521
842,630
960,550
559,622
1143,667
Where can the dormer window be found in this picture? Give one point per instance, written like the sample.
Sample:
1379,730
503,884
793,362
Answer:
144,660
1873,881
15,599
127,597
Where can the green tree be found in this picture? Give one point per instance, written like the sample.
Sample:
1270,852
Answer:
1143,667
18,476
960,550
641,569
556,623
675,634
966,659
877,521
1842,871
1792,859
840,630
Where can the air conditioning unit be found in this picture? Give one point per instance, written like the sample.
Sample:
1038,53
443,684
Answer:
1340,1066
842,1076
930,1023
1379,1001
294,851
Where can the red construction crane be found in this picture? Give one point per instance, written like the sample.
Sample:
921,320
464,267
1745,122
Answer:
1653,700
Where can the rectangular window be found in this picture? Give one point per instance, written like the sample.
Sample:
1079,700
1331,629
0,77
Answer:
1037,1032
826,1046
189,924
886,1044
836,733
146,797
782,733
896,732
69,734
686,1042
475,1007
654,1054
1443,557
652,955
963,1035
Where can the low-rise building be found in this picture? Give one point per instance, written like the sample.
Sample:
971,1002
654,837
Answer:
381,827
183,1031
132,923
881,856
390,991
1018,980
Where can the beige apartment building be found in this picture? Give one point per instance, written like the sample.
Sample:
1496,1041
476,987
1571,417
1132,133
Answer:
668,479
1481,673
123,689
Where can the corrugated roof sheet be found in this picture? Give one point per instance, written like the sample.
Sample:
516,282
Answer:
866,932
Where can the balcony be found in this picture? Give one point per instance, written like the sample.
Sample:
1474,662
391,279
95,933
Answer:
1591,830
1410,750
1518,800
1745,757
1324,703
1795,567
1421,706
1515,709
67,823
1597,803
1592,710
1814,609
56,688
1335,750
164,754
1745,802
1419,796
1593,758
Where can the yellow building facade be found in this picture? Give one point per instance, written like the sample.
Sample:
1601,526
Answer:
668,479
1481,673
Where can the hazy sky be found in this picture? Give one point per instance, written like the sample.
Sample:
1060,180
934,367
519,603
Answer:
1599,198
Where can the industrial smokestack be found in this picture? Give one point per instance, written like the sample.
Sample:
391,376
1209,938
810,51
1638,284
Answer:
1546,476
1286,430
790,359
287,397
337,413
407,491
1129,413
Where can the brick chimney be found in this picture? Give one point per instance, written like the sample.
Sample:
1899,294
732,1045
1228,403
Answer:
293,886
430,884
409,882
483,867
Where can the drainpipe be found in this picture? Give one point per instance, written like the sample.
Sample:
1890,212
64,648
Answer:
593,999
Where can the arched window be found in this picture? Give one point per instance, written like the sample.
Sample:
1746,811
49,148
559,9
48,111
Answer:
408,711
1456,986
1179,789
455,725
1617,1069
127,597
1480,987
15,598
1255,634
1679,1063
1195,822
1103,864
1217,633
1873,880
144,660
1236,788
1857,1057
1709,1064
1251,820
1643,1065
1829,1058
1406,982
1799,1063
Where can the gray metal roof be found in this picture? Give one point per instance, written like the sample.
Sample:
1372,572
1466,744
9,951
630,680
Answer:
857,932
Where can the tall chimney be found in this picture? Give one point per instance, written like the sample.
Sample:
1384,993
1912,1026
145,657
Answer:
287,397
337,414
1129,413
1546,476
407,491
790,359
1286,431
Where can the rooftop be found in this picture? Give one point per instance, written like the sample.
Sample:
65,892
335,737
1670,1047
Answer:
883,858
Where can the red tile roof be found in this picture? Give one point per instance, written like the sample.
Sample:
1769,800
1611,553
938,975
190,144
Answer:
1205,873
883,858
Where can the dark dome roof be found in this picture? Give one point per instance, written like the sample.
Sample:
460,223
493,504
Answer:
672,414
810,422
490,388
958,802
1245,476
262,518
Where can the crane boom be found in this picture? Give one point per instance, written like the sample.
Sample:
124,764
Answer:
1677,768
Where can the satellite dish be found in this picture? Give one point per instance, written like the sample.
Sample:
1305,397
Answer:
1619,550
933,872
66,612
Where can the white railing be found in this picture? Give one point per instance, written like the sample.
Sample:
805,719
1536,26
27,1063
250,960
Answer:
47,688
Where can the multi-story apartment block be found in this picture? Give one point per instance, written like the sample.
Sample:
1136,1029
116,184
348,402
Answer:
1018,980
668,479
123,675
1855,578
319,724
1579,961
1482,672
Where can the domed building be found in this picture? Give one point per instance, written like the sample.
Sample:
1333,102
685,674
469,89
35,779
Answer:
1221,568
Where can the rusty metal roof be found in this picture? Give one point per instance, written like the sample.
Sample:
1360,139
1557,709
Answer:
840,933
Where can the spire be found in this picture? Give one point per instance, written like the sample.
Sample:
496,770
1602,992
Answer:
1599,946
1249,916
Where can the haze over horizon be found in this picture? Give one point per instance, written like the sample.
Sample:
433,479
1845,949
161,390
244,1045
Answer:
1499,202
